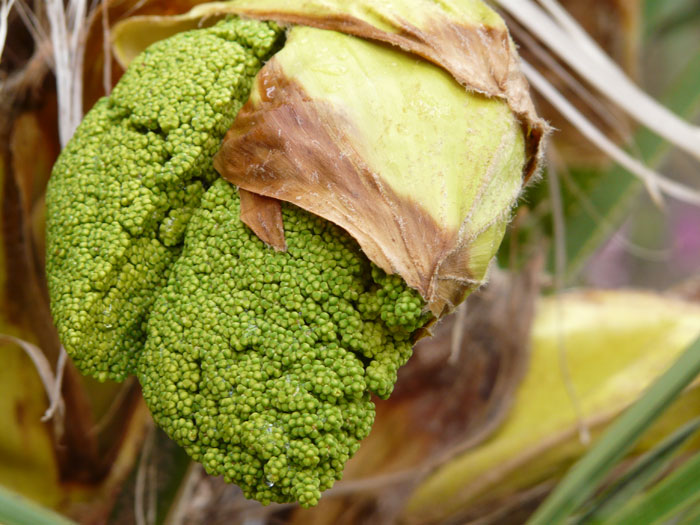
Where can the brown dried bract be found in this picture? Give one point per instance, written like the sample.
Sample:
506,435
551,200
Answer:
283,148
483,59
290,145
263,215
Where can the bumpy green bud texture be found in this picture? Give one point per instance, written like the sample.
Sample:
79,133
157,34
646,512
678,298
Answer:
259,363
123,190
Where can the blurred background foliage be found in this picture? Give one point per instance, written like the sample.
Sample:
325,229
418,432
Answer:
526,380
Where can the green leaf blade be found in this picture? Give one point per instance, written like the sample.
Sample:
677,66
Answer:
18,510
640,475
677,492
586,475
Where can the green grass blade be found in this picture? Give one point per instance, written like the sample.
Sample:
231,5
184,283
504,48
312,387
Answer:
675,493
639,476
18,510
690,516
586,475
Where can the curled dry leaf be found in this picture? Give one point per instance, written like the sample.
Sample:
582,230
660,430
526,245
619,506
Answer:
263,215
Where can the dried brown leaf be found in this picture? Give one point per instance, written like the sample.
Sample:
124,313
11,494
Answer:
263,215
474,47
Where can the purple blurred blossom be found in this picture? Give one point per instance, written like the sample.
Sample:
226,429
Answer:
686,234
